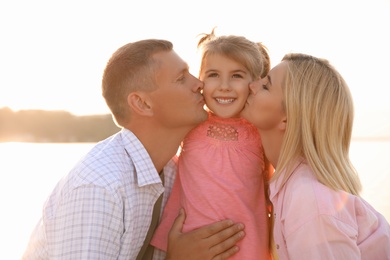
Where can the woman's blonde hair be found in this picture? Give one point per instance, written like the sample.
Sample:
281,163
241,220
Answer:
319,111
253,56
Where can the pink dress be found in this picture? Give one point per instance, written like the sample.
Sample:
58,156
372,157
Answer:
220,176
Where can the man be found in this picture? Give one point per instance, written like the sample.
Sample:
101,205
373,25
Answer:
103,208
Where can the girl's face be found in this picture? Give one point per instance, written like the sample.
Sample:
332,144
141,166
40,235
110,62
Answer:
264,105
226,85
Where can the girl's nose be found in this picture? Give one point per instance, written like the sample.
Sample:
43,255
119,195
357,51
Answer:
224,85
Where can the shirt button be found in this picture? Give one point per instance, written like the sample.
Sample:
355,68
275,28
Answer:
277,246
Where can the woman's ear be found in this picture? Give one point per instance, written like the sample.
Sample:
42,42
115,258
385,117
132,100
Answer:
140,103
283,124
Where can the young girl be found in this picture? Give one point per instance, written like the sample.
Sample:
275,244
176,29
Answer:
220,168
304,112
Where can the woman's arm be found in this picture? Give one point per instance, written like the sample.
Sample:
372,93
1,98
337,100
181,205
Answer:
323,237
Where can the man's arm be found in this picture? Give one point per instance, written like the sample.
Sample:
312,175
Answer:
215,241
88,224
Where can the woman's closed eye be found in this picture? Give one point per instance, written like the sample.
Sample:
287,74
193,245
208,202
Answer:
265,83
181,79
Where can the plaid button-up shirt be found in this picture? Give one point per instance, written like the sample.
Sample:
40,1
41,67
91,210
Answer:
103,208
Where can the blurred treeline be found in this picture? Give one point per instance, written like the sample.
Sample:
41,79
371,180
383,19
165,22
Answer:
53,126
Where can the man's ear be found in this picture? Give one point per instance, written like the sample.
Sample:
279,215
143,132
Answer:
140,103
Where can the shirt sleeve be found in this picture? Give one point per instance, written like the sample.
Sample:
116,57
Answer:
87,224
323,237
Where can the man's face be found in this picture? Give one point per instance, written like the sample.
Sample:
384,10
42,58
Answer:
177,101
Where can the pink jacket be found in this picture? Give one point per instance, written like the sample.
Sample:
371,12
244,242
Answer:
313,221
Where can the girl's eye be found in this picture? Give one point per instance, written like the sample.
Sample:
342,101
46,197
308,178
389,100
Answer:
237,76
213,75
265,86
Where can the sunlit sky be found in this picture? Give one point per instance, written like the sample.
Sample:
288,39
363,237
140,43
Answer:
52,53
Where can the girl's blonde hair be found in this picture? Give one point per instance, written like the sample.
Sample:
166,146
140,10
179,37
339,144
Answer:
254,56
319,111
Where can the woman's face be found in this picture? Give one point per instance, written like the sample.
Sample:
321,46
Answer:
264,105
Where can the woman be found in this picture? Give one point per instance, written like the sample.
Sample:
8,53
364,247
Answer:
304,112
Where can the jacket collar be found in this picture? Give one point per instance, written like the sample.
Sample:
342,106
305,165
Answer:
276,185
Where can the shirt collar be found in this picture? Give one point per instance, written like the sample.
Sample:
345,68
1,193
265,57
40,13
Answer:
275,185
145,171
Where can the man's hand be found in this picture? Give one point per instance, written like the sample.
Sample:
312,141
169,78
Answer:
216,241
